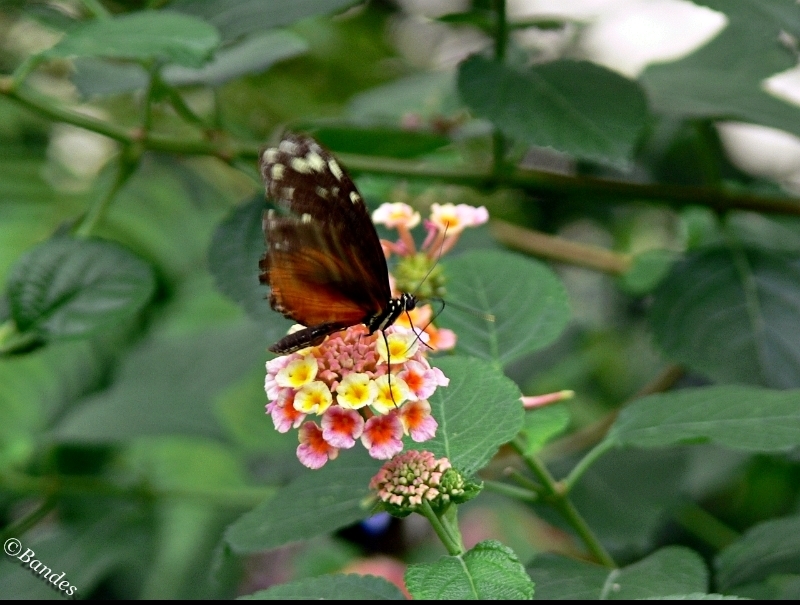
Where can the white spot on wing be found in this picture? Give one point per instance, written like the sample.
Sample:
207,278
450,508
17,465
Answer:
277,172
337,172
315,161
306,218
288,147
270,155
322,192
287,193
354,197
300,165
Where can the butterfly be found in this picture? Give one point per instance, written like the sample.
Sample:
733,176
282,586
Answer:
324,263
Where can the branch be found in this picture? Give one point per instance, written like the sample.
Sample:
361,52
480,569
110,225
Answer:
536,183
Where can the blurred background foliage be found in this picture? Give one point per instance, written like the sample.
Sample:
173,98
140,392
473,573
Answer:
127,448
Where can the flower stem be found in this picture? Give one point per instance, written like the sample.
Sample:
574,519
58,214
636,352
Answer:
28,521
577,472
128,162
556,494
512,491
445,526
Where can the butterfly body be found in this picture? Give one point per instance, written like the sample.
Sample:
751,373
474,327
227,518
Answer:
324,262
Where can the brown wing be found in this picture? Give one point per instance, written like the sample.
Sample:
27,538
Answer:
324,262
313,273
330,218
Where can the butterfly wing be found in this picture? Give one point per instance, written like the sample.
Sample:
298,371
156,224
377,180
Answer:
324,262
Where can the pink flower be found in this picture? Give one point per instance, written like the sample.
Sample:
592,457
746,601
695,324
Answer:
456,218
383,436
341,427
409,479
313,450
274,366
284,415
421,378
396,215
417,420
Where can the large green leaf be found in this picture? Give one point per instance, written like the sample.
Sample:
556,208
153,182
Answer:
98,77
348,587
731,313
768,548
737,417
489,570
670,571
85,552
147,35
236,248
575,107
313,504
724,79
70,287
234,18
167,385
529,304
542,424
477,413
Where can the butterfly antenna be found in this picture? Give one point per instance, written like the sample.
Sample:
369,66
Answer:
487,316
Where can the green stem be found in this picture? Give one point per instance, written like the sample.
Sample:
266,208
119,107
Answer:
590,458
444,527
556,495
28,521
705,526
500,44
512,491
538,183
525,482
127,166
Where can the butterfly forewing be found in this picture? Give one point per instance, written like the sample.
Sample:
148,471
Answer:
324,262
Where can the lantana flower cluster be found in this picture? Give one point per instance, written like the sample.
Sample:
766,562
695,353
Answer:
343,390
346,383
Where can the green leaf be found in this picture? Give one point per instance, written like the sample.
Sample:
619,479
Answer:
315,503
167,385
376,140
69,287
86,552
647,270
575,107
143,36
730,313
528,301
251,56
737,417
766,549
235,18
349,587
477,413
98,77
489,570
236,248
670,571
427,95
724,78
542,424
